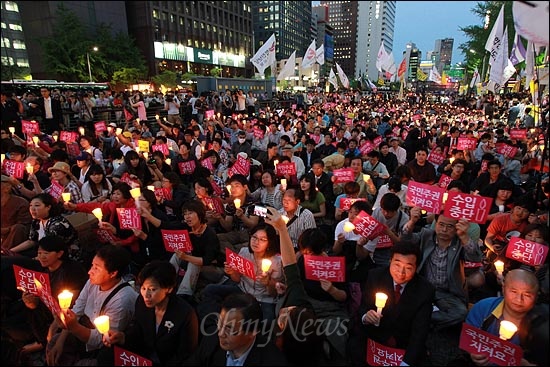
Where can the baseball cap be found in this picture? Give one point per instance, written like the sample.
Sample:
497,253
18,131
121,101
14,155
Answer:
112,124
83,156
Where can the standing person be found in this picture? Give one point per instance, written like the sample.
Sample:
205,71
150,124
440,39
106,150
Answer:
172,106
241,102
227,104
250,104
11,110
165,327
50,110
138,103
405,320
105,293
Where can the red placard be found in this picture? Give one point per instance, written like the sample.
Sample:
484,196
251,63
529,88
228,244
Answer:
380,355
127,179
105,236
36,283
163,148
239,263
217,190
506,150
163,193
187,168
207,163
241,166
73,149
316,138
427,197
465,143
527,252
68,136
366,148
444,181
346,203
518,134
285,168
13,168
367,226
124,357
128,218
500,352
377,141
258,133
435,158
343,175
474,208
176,240
56,189
208,114
30,127
332,268
212,204
384,241
100,126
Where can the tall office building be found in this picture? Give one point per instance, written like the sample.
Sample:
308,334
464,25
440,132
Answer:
444,51
325,37
13,46
359,29
414,57
289,20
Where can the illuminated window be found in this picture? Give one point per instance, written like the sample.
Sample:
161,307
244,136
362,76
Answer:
16,27
19,45
11,6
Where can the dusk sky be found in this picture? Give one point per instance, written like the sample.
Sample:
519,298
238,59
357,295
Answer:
422,22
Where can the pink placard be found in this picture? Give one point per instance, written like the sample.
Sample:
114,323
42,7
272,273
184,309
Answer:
384,241
506,150
366,148
377,140
100,126
285,168
239,263
380,355
13,168
163,193
331,268
176,240
346,203
436,158
343,175
444,181
187,168
163,148
124,357
500,352
105,236
367,226
473,208
73,149
37,283
128,218
258,133
56,189
30,127
213,204
427,197
465,143
241,166
527,252
127,179
208,114
518,134
68,136
217,189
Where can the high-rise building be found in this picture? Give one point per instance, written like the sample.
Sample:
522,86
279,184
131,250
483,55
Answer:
444,51
325,37
14,48
414,57
289,20
359,29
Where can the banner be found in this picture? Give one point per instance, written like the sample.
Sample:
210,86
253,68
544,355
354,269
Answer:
527,252
500,352
331,268
473,208
465,143
495,37
30,127
285,168
128,218
367,226
163,148
320,55
343,78
13,169
332,79
517,54
177,240
531,20
38,284
427,197
382,58
265,56
343,175
187,168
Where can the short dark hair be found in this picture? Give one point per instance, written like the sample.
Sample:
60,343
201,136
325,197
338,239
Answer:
313,239
116,258
53,243
249,308
390,202
161,271
124,189
406,248
195,206
238,178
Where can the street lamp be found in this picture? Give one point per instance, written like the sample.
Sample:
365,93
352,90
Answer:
89,66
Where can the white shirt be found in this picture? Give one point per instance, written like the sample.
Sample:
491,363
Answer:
48,107
401,154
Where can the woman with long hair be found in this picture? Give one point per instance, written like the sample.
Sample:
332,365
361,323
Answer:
205,193
269,192
313,200
136,168
97,188
173,196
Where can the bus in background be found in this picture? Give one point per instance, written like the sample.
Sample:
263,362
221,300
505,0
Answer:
20,86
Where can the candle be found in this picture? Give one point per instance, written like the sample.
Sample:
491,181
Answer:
499,266
12,130
35,140
451,160
138,120
445,197
366,177
266,264
283,183
66,196
137,149
118,131
102,324
81,130
285,218
164,118
55,137
228,187
380,302
168,161
29,168
423,212
237,203
65,299
135,192
145,155
507,329
348,227
275,163
157,117
98,214
151,188
3,157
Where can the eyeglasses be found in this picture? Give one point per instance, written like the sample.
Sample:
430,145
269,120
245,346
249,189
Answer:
446,226
256,238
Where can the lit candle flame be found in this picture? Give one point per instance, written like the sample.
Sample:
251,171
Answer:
3,157
151,188
29,168
266,264
65,299
98,213
102,324
35,140
228,187
366,177
66,196
146,155
283,183
507,329
81,130
157,117
499,266
285,218
12,130
135,192
237,203
118,131
168,161
445,197
348,227
380,300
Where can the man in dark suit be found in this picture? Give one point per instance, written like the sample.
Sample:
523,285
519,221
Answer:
235,338
405,319
324,184
309,154
50,110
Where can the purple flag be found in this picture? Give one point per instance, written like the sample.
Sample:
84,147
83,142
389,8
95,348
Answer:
517,54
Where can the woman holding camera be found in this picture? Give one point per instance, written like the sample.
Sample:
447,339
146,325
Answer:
172,106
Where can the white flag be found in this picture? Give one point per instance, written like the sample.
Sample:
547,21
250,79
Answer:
382,57
390,66
434,75
531,20
310,56
320,55
497,68
332,78
371,85
288,69
475,79
265,56
517,54
529,63
495,37
343,78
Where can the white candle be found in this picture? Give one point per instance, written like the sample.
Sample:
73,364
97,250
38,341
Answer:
135,192
12,129
3,157
283,183
499,266
118,131
138,120
285,218
366,177
151,188
348,227
237,203
451,160
168,161
507,329
228,187
65,299
66,196
275,163
55,137
35,140
157,117
98,214
102,324
29,168
266,264
445,196
146,155
380,302
81,130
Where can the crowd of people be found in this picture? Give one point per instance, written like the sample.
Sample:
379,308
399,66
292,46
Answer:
277,187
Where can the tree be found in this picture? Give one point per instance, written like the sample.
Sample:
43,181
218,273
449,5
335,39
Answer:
125,77
167,78
216,72
10,72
